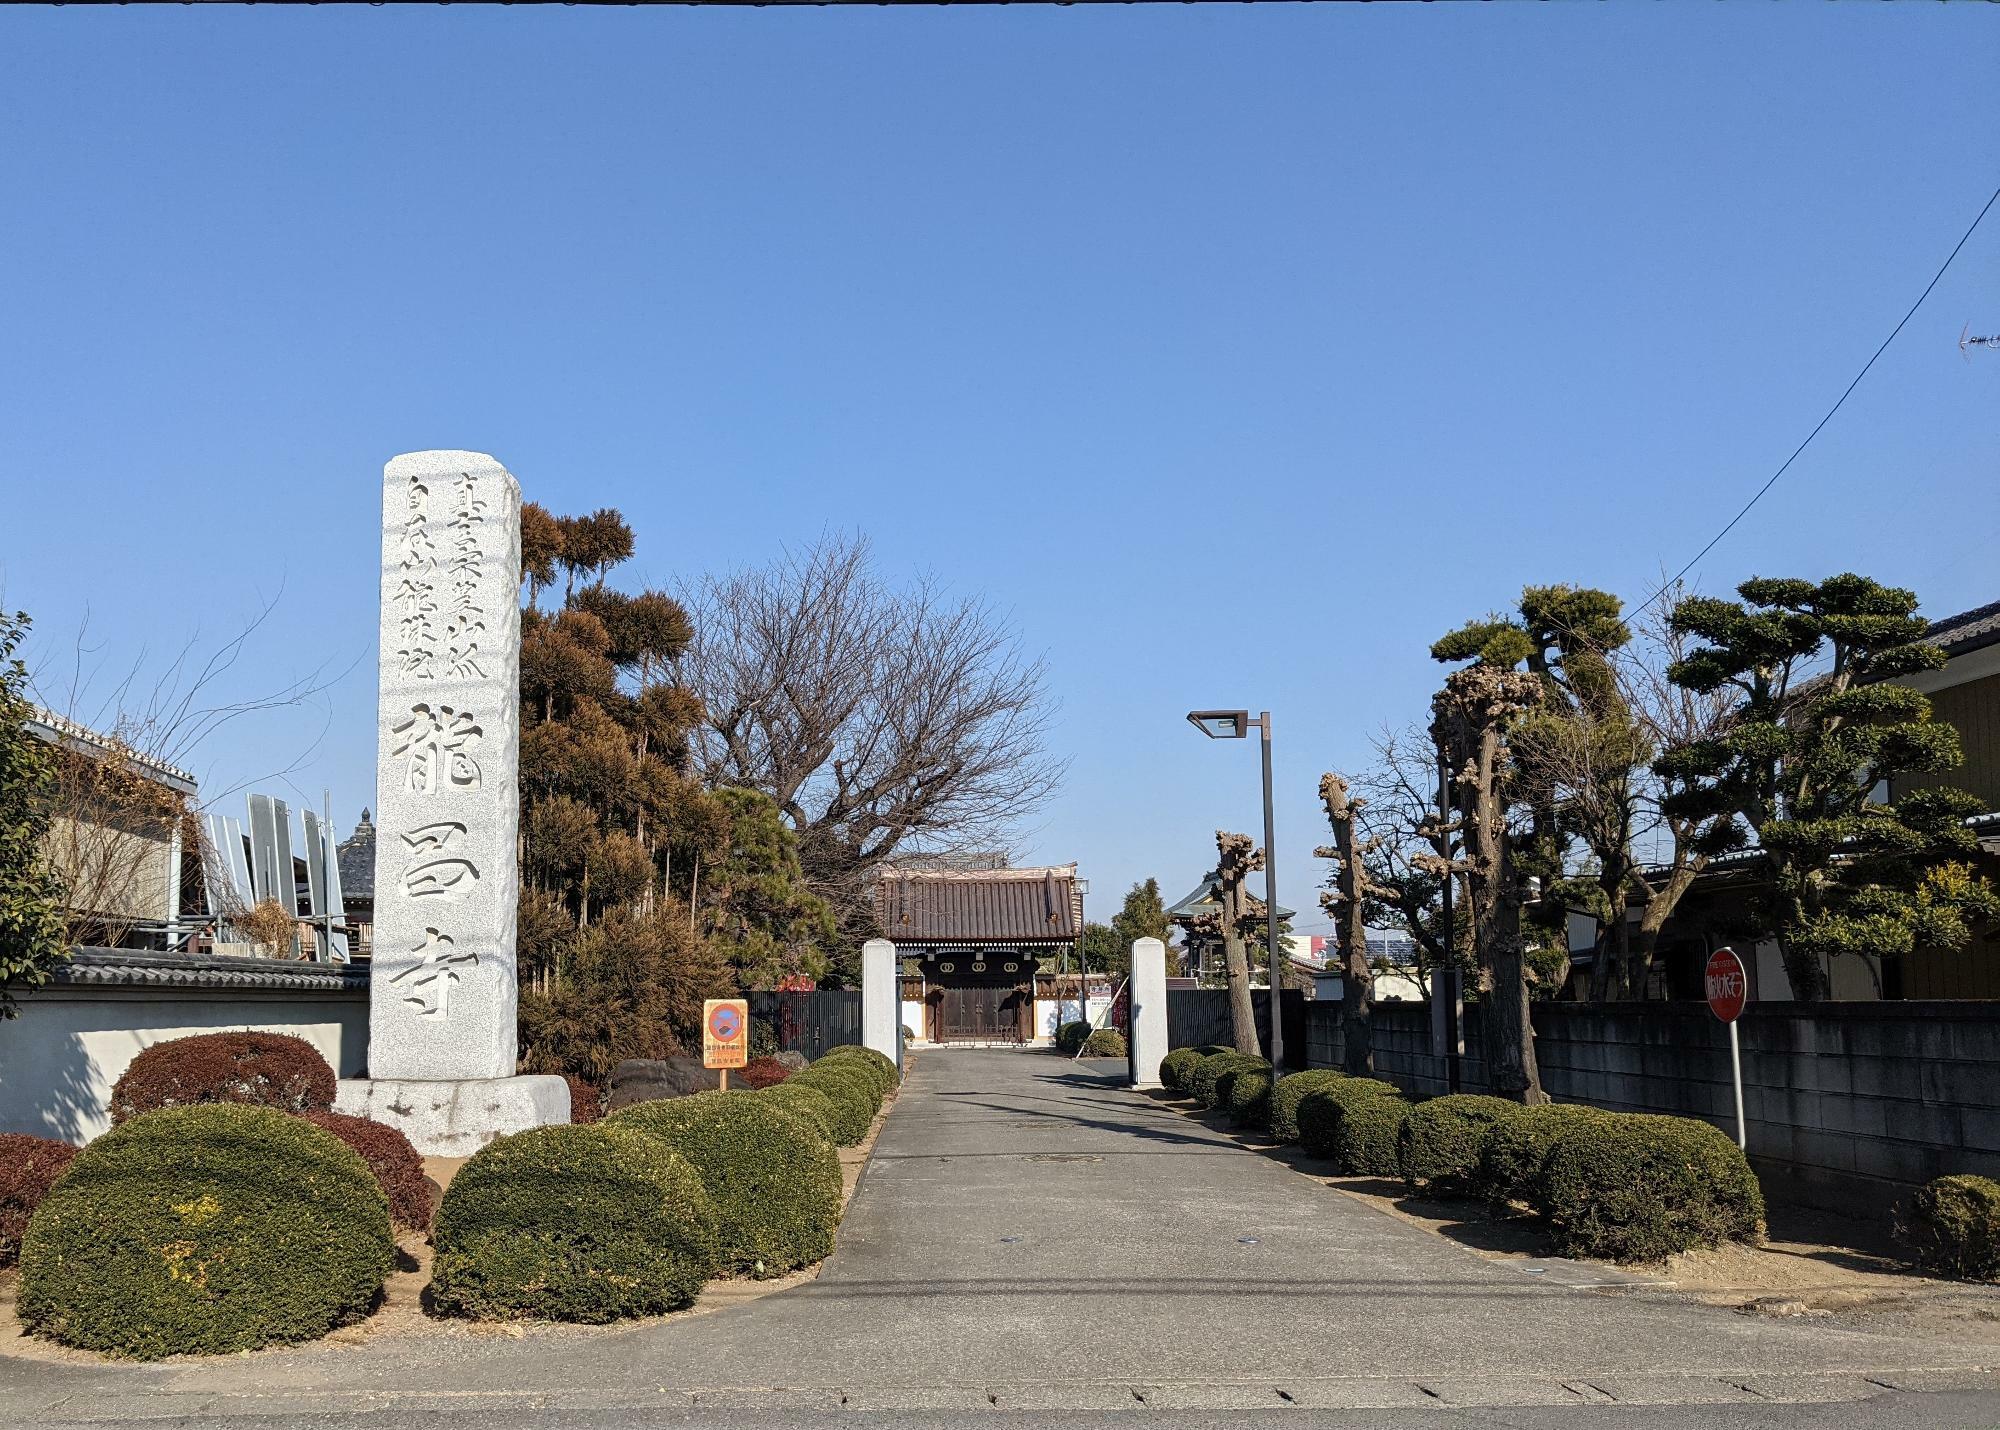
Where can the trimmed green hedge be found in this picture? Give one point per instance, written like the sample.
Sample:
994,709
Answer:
1638,1187
1292,1089
1105,1043
1245,1094
1207,1072
1437,1150
807,1102
1323,1117
1070,1036
205,1229
887,1076
772,1175
1513,1150
1175,1067
573,1223
1952,1226
852,1090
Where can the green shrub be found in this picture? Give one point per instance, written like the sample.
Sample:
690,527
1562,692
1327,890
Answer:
807,1102
205,1229
852,1095
1175,1067
1952,1226
1291,1090
1202,1080
1513,1150
1631,1187
1105,1043
1366,1137
1245,1094
1070,1036
887,1075
273,1070
573,1223
1319,1111
29,1166
772,1176
1438,1149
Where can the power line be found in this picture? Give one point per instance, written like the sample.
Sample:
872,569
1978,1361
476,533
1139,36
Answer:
1773,479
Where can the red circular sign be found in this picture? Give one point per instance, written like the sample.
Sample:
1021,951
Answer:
1727,986
725,1024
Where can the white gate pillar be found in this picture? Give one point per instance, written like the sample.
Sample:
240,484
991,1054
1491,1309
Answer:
1148,1010
881,1000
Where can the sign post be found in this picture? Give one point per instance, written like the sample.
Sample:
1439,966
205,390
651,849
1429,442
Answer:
1727,987
725,1035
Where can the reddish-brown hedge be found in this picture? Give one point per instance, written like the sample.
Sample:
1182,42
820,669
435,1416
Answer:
585,1105
261,1069
29,1166
762,1073
398,1167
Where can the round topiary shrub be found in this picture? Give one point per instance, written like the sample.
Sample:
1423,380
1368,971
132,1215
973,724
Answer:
851,1093
1638,1187
1245,1094
807,1102
586,1104
1070,1036
205,1230
573,1223
29,1166
397,1167
761,1073
1952,1226
1291,1090
1105,1043
1512,1150
1175,1067
1438,1148
272,1070
1320,1111
1202,1080
887,1075
772,1175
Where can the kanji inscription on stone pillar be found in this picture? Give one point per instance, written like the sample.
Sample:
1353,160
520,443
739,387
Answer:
448,733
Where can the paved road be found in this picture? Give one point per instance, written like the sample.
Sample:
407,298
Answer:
1029,1239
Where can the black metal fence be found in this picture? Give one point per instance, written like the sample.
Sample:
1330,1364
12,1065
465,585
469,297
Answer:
809,1023
1199,1016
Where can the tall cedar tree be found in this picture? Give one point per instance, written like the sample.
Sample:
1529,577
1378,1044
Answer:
619,940
31,897
1143,915
1819,730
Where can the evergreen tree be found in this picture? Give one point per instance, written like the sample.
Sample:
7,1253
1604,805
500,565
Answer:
1819,731
756,907
1143,915
31,921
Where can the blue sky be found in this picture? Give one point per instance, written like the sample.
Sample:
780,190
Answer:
1235,353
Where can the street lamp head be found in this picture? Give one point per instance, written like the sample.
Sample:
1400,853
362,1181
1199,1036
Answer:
1221,724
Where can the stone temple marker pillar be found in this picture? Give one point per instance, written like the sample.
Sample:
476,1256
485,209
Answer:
442,993
1149,1010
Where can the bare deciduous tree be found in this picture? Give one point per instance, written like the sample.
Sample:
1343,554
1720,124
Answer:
877,717
1235,860
1346,902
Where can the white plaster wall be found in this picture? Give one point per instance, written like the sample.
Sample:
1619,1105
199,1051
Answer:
1051,1014
59,1059
913,1015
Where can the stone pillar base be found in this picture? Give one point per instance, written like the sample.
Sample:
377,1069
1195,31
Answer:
455,1118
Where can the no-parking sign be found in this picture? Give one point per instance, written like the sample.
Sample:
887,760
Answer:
725,1032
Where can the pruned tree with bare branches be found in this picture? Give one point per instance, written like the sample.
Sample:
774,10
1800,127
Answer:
1346,903
1236,859
878,717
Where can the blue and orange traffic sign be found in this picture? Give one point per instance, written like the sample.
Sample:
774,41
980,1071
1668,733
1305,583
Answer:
725,1032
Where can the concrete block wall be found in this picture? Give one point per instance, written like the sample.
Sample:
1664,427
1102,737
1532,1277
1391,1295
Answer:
1848,1105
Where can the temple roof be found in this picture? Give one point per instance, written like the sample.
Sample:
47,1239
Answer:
1202,902
1007,906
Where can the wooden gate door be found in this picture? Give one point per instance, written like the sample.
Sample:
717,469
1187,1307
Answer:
978,1013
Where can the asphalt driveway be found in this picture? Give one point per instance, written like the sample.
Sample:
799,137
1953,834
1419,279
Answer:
1030,1236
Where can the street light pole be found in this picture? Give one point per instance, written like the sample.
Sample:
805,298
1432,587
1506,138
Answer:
1271,907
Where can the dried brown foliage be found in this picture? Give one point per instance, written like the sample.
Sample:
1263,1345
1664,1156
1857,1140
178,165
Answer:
29,1166
398,1167
261,1069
